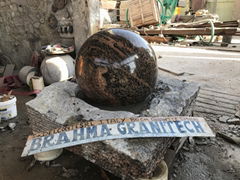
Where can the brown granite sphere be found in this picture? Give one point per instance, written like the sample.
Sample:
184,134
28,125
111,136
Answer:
116,67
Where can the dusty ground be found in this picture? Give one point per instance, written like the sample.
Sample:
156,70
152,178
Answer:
205,158
12,167
211,68
213,159
200,159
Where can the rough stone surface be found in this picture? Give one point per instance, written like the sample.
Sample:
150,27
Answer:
85,23
224,119
57,105
234,121
20,29
60,105
26,25
171,97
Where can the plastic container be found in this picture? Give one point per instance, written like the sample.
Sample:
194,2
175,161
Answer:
37,83
8,109
48,155
29,77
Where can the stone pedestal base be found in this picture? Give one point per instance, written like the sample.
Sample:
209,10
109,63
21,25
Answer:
57,105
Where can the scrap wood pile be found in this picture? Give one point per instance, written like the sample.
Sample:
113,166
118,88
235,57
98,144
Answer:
201,23
194,28
158,22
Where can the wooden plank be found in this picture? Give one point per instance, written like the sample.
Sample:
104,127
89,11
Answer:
123,10
157,39
105,4
8,70
188,31
205,24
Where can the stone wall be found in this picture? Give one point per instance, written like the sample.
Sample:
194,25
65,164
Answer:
26,25
24,28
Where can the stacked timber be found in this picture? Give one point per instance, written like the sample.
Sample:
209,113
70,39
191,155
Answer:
195,28
123,10
108,4
205,23
143,12
116,7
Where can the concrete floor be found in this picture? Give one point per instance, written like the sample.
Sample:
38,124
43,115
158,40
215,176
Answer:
214,69
13,167
211,68
214,159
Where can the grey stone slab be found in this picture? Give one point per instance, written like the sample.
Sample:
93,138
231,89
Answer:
58,105
171,97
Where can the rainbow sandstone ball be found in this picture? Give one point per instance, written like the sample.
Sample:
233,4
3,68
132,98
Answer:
116,67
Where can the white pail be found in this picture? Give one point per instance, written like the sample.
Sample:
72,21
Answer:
8,109
37,83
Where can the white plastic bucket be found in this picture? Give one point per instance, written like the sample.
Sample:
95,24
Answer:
48,155
8,109
37,83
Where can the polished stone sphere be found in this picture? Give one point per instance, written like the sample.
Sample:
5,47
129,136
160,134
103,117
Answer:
116,67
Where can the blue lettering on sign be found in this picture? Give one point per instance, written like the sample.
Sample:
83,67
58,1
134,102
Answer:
91,132
155,127
186,126
177,127
36,144
105,131
121,128
162,124
170,127
130,126
62,138
180,126
198,126
143,128
78,133
46,141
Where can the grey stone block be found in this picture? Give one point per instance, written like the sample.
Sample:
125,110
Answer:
171,97
57,105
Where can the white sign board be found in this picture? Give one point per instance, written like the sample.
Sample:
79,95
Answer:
93,131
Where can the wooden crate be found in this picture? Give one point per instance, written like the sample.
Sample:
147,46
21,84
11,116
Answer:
123,9
108,4
143,12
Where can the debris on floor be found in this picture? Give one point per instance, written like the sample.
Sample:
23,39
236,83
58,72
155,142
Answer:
69,173
120,89
68,109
